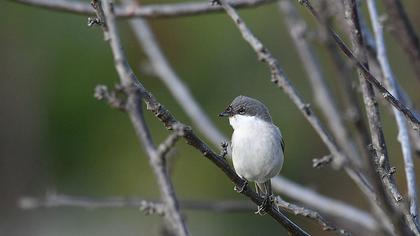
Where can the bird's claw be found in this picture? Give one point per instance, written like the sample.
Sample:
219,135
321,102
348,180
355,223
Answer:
215,2
224,152
240,189
261,209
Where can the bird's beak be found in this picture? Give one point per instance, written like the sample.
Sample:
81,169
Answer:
224,114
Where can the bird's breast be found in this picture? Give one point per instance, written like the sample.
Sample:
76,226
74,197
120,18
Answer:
256,149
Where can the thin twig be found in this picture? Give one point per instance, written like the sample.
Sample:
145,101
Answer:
408,113
111,97
144,11
321,162
165,147
391,84
299,210
404,32
173,216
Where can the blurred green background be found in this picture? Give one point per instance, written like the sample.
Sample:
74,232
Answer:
54,136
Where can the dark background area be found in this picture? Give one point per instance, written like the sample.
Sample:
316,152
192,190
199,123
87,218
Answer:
54,136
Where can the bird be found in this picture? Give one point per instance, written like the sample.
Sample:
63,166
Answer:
257,146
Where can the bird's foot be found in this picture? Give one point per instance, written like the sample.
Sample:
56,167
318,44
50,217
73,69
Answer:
240,189
264,205
215,2
224,152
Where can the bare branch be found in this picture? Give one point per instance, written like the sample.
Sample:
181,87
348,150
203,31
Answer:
134,109
381,161
145,11
111,97
371,106
321,162
410,115
322,203
298,210
391,84
404,32
170,141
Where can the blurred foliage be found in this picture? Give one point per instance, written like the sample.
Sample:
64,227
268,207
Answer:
49,67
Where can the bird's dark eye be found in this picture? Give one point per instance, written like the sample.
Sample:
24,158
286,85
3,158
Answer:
229,109
241,110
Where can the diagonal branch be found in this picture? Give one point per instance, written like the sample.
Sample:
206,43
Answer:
371,106
324,204
298,210
145,11
403,135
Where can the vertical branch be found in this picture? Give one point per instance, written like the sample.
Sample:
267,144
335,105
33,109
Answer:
404,32
172,210
378,140
372,110
391,84
133,107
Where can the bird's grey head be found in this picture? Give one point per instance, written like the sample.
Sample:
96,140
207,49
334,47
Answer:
247,106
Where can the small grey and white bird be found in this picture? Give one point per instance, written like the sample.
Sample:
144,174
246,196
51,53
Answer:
257,145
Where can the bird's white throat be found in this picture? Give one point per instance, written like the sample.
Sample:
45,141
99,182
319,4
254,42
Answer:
241,121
